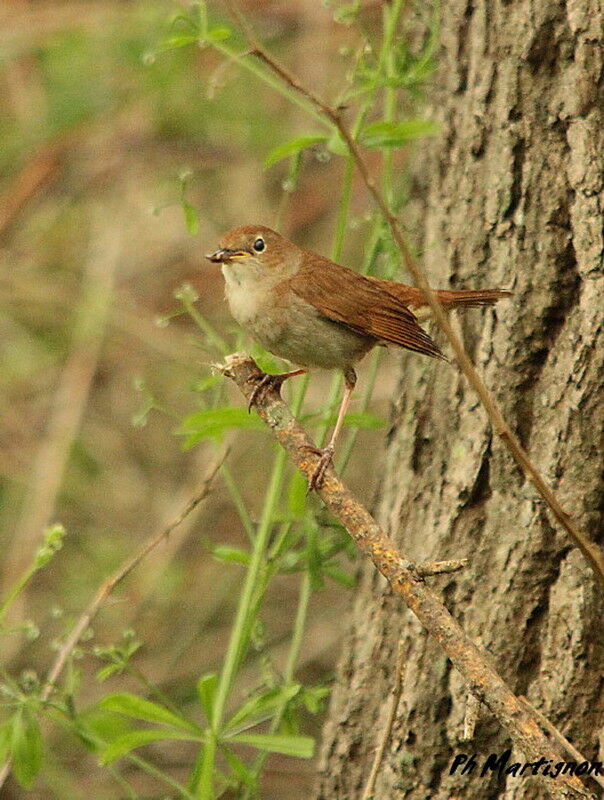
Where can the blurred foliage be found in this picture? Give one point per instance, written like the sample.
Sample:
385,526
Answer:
131,135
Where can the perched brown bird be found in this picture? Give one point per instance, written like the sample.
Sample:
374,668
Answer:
313,312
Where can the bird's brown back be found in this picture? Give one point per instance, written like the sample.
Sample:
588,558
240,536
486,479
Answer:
366,305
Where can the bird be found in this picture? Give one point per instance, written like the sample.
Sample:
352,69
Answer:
307,309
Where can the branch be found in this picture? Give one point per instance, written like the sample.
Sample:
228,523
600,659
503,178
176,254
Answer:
592,553
472,663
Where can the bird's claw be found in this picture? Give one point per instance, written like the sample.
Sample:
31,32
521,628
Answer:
265,381
325,459
276,381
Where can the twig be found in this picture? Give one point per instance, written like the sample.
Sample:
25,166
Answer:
560,738
429,568
386,733
109,584
591,552
37,172
472,663
470,717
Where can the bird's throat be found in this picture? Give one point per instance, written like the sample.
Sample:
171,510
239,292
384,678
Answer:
247,290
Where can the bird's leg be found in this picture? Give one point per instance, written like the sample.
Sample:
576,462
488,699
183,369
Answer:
326,453
276,381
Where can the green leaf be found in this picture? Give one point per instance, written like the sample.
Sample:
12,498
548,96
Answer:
313,697
129,741
191,218
291,148
5,740
296,495
297,746
218,34
396,134
363,420
179,40
131,705
108,671
96,727
240,770
231,555
348,13
337,574
206,691
203,384
265,360
314,560
337,145
213,423
260,705
26,747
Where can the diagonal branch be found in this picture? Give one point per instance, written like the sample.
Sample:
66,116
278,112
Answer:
591,552
473,664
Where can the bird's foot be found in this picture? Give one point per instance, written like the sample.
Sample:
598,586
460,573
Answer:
325,459
274,381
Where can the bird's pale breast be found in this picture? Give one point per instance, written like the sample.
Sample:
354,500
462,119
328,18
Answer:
288,326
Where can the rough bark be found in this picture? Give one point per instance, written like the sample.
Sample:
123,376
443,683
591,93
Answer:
512,198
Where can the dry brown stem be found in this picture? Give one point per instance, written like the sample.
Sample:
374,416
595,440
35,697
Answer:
32,178
561,739
472,663
386,732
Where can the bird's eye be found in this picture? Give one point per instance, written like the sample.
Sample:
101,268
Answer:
259,244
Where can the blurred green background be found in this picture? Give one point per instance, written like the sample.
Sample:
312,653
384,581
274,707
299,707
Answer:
121,163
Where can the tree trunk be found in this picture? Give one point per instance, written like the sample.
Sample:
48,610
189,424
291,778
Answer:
512,197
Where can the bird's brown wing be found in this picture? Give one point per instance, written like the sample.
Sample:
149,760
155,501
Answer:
362,304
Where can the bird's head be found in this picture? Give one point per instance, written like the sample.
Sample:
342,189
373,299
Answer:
257,247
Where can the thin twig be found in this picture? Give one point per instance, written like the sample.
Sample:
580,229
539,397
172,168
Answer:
37,172
474,665
591,552
386,732
470,717
560,738
428,568
109,584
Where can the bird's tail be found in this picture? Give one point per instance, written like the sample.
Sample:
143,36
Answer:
415,298
468,298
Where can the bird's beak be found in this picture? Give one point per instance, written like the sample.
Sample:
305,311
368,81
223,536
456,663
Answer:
224,254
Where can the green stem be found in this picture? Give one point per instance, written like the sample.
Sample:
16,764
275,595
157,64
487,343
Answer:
290,668
387,58
241,628
245,61
344,206
16,590
297,637
213,337
238,502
